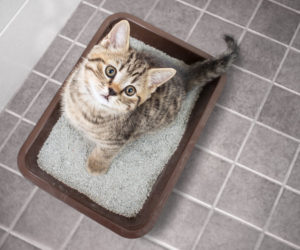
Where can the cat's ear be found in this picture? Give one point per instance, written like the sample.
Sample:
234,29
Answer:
118,38
158,76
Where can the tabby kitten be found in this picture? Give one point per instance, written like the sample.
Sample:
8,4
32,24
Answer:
117,93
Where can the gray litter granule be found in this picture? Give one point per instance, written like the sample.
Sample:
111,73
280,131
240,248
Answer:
129,180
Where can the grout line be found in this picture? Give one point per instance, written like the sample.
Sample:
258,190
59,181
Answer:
98,7
19,214
283,240
242,145
191,198
259,174
295,49
69,237
266,79
284,6
257,122
48,79
45,76
14,17
251,73
287,89
20,117
150,10
223,212
153,240
199,147
197,20
285,54
106,11
233,112
30,241
72,41
39,73
11,170
246,28
249,21
265,228
55,81
224,158
259,241
267,37
296,191
159,242
10,134
90,4
277,131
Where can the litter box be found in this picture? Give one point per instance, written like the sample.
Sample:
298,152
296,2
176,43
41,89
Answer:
140,224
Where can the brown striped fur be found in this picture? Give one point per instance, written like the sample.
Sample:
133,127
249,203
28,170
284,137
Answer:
98,105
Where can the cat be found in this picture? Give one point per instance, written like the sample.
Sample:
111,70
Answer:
117,93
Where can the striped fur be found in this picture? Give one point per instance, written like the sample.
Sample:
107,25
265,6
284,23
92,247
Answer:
99,107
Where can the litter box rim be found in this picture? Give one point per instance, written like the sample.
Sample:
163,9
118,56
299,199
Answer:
142,223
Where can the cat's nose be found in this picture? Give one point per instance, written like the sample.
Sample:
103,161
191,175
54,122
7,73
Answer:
111,91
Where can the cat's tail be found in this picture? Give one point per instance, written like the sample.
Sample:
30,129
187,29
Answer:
203,72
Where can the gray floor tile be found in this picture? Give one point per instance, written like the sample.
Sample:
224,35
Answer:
9,153
27,92
13,243
224,133
95,2
2,233
223,233
52,56
285,221
236,11
77,21
243,92
41,103
203,176
7,122
143,244
244,198
92,27
180,222
294,180
173,17
269,243
139,8
295,4
268,152
275,21
91,235
260,55
282,111
296,43
208,34
197,3
68,63
289,75
14,190
47,220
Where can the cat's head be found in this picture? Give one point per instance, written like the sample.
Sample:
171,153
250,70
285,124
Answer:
117,77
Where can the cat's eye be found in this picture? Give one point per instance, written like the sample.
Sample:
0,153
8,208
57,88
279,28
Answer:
110,71
130,90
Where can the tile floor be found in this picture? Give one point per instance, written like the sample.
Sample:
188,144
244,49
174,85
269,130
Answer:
241,187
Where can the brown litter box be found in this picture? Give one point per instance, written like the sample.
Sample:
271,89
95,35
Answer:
144,221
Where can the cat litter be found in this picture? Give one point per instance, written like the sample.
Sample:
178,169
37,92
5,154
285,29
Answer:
129,180
129,198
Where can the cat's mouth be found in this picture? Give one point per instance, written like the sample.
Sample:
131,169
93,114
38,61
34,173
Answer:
106,97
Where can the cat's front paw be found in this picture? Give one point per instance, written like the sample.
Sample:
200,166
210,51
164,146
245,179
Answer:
96,167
